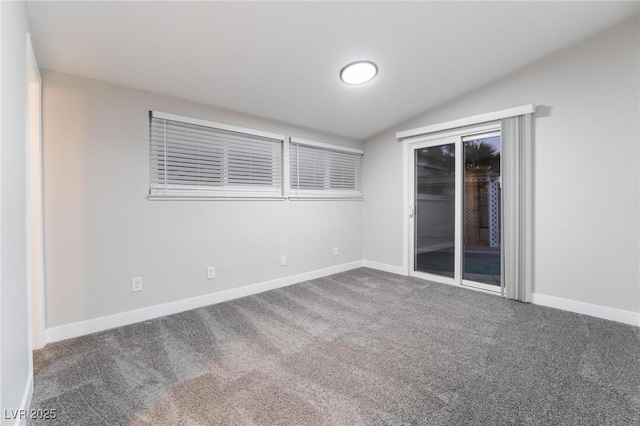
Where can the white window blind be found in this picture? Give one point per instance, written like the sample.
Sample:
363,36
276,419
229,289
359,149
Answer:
324,171
197,158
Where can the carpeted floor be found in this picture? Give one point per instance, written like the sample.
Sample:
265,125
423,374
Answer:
361,347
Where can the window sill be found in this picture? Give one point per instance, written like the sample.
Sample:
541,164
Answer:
214,198
327,198
245,198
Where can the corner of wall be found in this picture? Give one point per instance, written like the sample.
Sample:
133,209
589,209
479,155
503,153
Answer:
393,269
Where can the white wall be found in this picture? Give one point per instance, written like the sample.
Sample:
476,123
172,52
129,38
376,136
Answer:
586,195
15,353
100,230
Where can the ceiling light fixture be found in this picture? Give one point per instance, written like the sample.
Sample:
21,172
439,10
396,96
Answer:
358,72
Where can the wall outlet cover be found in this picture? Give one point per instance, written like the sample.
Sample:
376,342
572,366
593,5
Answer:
136,284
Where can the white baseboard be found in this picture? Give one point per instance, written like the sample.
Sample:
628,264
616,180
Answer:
393,269
598,311
19,416
131,317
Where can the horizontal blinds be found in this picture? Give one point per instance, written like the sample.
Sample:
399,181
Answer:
324,172
196,160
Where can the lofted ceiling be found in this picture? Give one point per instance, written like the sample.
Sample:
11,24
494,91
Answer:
281,60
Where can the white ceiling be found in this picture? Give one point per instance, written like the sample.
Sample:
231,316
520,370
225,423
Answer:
281,60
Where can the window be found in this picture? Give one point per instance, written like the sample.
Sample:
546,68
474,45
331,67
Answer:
324,171
198,158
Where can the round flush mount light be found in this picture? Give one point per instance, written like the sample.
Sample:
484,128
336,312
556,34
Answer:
358,72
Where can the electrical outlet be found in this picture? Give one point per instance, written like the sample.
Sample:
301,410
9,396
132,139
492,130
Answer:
283,260
336,251
136,284
211,272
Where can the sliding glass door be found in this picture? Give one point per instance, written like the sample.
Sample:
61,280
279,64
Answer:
435,209
455,221
482,210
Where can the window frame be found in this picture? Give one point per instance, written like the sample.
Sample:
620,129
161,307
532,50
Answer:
327,193
223,192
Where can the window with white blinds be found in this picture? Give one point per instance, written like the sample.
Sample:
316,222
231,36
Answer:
198,158
320,170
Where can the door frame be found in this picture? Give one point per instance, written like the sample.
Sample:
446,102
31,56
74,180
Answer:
435,139
35,205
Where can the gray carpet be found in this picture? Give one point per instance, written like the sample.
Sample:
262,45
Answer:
361,347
